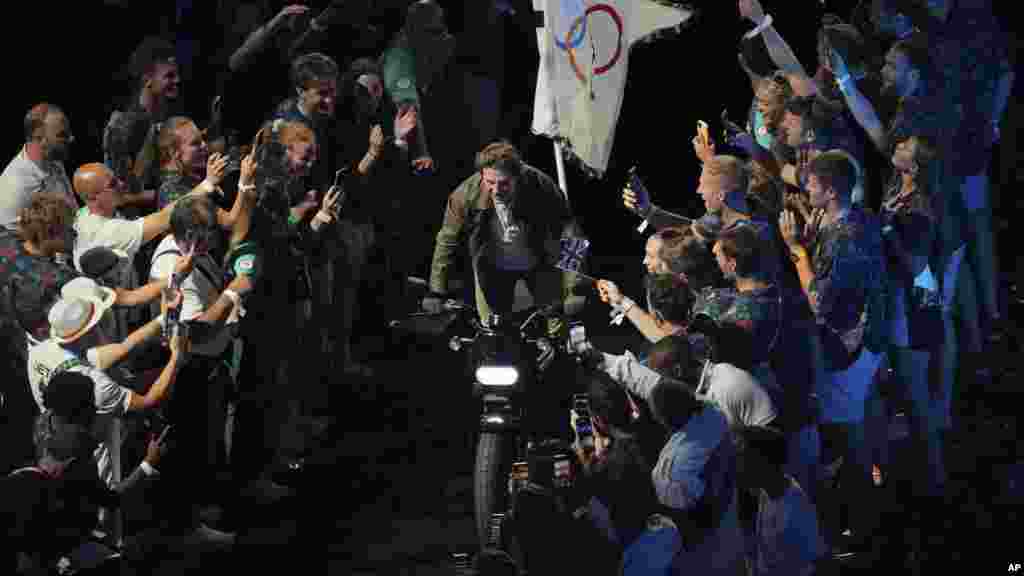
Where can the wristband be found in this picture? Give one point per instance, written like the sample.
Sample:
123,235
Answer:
148,469
627,305
246,187
760,27
845,83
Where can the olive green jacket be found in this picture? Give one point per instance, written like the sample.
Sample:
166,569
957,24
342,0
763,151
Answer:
539,205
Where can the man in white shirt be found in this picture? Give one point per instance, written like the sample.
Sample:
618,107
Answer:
786,538
77,344
743,399
97,224
39,165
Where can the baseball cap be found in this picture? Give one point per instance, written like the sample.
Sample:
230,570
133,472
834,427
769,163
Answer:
399,75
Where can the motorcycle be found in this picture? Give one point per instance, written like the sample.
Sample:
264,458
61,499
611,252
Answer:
515,368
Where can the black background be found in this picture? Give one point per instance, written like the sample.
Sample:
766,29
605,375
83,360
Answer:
74,57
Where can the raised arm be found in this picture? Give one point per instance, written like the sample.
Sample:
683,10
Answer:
160,389
861,108
259,38
780,52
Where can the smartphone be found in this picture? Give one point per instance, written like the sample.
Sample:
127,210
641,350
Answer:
339,182
642,197
704,132
584,426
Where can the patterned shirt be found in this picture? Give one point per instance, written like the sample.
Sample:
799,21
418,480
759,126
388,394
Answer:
31,283
849,279
756,311
172,187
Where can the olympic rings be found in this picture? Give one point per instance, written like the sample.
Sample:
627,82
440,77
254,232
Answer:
579,25
570,43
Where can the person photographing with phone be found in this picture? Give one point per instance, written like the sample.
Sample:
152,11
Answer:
611,495
51,508
210,311
283,153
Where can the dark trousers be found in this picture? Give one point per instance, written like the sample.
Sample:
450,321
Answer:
262,405
197,412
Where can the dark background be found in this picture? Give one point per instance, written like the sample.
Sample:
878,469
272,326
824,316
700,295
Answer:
73,53
75,56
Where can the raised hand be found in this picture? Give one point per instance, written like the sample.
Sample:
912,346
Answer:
216,165
704,151
288,12
789,229
405,121
331,200
248,175
376,139
609,292
751,10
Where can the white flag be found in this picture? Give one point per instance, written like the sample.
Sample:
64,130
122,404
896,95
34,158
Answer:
584,48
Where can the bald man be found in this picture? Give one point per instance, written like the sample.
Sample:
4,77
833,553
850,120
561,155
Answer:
98,225
39,167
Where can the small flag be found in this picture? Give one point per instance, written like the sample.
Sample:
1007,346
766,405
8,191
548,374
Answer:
573,251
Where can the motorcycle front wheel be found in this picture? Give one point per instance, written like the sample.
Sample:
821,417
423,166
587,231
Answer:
489,484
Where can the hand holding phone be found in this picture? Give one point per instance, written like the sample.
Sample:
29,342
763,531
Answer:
582,424
703,132
641,199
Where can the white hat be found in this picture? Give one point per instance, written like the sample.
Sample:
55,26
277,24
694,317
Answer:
81,306
87,289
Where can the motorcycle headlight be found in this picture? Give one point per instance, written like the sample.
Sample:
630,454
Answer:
497,375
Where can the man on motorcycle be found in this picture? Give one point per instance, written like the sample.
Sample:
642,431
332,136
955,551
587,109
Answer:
513,216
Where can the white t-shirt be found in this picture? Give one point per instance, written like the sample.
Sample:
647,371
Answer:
739,395
112,399
120,235
788,538
22,178
512,249
200,289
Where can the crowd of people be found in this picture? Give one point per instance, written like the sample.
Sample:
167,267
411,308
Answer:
181,304
158,304
842,271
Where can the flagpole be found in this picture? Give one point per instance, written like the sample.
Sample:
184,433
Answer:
560,168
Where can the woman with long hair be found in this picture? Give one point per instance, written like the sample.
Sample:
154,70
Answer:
910,224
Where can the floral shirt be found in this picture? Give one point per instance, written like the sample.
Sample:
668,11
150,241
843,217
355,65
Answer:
848,289
31,284
756,311
172,187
